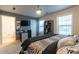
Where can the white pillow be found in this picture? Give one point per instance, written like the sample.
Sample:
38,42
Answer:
68,41
76,37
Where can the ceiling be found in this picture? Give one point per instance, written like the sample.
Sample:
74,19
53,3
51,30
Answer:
29,10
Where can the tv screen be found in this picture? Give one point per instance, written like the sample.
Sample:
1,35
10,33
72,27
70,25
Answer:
25,23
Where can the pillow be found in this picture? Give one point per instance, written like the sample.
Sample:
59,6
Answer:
76,37
62,50
58,37
68,41
68,50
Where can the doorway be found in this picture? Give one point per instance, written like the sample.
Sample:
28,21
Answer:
8,29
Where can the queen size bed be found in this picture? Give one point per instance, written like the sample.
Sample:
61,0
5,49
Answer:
46,44
49,44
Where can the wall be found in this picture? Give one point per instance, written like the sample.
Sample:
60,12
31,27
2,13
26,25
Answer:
75,13
0,31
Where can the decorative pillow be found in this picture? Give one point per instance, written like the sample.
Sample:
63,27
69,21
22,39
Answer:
68,41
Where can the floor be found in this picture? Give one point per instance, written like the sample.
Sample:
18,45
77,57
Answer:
13,48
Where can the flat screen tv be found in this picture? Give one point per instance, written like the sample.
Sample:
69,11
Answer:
25,23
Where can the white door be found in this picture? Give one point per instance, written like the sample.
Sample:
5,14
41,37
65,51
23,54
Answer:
33,28
8,29
41,27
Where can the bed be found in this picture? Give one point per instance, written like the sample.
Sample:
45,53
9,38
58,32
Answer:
46,44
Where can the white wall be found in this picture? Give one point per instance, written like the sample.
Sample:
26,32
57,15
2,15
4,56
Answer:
0,30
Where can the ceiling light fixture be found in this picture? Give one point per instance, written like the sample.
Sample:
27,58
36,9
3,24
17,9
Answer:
38,10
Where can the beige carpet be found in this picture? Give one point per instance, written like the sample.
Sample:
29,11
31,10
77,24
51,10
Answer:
13,48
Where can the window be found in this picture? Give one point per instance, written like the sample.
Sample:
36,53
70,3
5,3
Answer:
64,25
41,27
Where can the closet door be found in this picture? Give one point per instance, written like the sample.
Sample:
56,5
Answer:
41,27
8,29
33,28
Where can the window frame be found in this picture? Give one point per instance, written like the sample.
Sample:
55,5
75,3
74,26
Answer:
64,25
